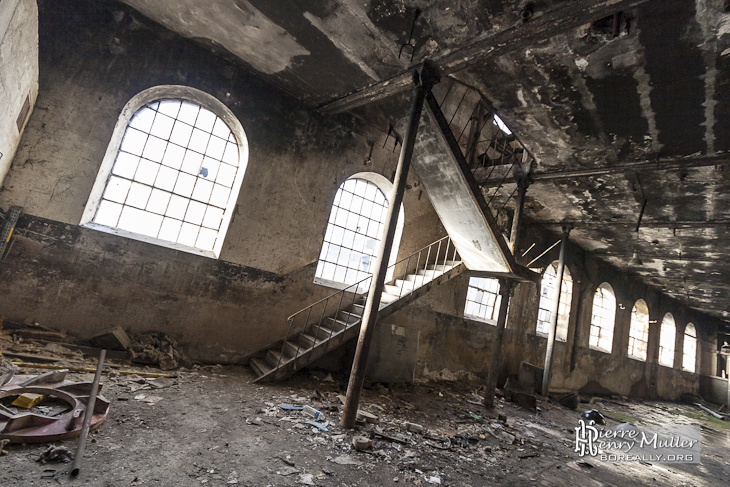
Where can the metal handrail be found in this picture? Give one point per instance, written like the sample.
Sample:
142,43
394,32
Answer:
353,288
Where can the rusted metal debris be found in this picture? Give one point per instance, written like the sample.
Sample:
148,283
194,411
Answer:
28,427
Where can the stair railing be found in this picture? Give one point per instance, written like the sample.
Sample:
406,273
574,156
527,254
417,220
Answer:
422,259
487,144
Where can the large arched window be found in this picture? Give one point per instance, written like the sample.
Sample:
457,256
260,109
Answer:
689,349
172,171
667,338
354,231
639,330
547,291
603,317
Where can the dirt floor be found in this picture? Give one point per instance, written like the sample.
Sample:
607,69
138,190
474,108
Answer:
212,426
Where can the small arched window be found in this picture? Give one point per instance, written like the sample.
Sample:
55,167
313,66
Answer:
354,230
172,171
547,291
689,349
667,338
603,317
639,330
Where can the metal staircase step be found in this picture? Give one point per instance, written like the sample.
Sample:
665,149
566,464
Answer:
336,325
322,332
273,358
307,341
392,290
290,349
348,317
358,309
259,367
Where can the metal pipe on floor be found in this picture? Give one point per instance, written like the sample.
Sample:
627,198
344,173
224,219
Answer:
554,313
505,291
76,466
424,78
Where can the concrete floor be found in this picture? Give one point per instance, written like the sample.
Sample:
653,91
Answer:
214,427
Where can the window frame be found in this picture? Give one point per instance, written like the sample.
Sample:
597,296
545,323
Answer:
495,305
564,318
150,95
695,340
667,322
633,327
603,288
385,187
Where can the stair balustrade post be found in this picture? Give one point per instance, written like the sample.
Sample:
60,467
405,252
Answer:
424,79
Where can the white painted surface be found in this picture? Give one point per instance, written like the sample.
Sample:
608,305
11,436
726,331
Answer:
18,72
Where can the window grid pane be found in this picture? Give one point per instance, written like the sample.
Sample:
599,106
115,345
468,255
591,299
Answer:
482,300
602,319
639,332
179,160
544,316
353,232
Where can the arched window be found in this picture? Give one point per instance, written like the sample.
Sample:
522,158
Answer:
549,283
603,317
172,171
639,330
667,338
354,230
482,300
689,349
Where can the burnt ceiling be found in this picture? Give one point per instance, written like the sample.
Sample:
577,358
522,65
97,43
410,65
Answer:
637,89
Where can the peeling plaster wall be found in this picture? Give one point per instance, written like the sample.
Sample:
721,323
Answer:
94,58
18,73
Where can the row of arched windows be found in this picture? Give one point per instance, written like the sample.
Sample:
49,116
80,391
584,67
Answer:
482,303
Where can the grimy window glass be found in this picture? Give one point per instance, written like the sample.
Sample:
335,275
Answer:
689,349
482,299
547,291
173,175
667,337
639,331
353,233
603,317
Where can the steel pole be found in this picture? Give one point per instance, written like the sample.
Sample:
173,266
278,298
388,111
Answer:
424,79
88,413
514,236
505,291
554,313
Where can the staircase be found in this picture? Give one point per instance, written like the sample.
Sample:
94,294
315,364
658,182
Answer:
332,321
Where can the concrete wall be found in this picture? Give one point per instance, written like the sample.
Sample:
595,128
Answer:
94,57
448,340
18,73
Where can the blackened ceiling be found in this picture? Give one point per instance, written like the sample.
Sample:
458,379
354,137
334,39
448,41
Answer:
637,89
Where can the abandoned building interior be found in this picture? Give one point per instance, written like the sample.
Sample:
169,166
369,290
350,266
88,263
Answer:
384,191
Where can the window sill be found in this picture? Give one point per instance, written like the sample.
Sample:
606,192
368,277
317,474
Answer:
479,320
150,240
596,349
340,286
545,335
638,359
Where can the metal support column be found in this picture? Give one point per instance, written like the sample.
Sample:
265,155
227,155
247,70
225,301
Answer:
505,291
424,79
522,184
554,313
